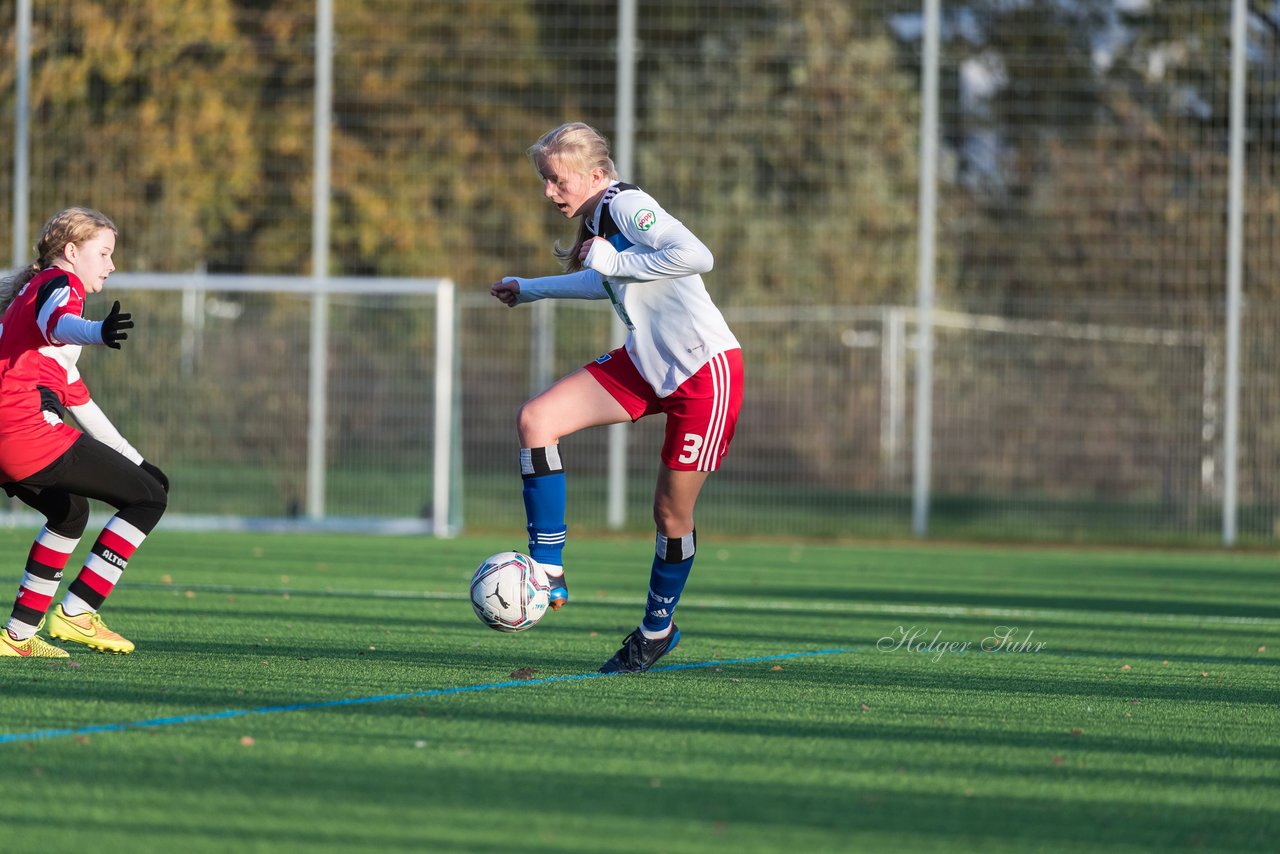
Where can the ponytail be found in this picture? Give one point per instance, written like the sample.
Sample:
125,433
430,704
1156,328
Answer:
11,285
569,257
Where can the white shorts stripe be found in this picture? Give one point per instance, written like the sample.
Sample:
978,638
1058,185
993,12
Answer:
719,404
708,437
720,381
701,464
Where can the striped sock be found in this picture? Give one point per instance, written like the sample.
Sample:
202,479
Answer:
672,561
102,569
544,505
46,560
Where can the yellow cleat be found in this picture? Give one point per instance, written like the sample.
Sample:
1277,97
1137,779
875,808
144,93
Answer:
33,647
87,629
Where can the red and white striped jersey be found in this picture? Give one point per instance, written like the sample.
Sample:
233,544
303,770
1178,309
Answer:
60,374
29,441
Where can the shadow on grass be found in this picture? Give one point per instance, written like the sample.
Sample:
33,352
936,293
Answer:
327,795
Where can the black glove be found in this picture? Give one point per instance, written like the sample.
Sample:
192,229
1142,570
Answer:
156,473
114,326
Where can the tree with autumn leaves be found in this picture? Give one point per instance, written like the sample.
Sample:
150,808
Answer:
788,133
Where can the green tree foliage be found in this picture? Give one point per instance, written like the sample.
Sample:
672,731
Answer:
1104,165
417,175
786,134
801,169
132,115
8,44
427,135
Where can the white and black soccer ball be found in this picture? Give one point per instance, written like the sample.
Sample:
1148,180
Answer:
509,592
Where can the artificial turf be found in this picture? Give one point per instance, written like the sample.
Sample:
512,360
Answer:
335,692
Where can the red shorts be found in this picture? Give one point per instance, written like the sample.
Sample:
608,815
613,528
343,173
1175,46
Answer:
701,414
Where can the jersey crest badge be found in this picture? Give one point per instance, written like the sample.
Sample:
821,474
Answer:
644,219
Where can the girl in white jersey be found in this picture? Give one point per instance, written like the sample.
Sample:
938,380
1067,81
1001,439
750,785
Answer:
680,358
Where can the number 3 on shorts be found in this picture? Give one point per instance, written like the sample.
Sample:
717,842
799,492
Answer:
692,447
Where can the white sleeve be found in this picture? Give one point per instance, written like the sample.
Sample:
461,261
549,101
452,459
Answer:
662,247
94,421
76,330
584,284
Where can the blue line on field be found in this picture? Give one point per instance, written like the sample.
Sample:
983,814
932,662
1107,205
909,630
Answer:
15,737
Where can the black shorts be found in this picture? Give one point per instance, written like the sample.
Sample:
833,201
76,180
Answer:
92,470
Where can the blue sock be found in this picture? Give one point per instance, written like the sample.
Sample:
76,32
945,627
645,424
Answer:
544,503
672,560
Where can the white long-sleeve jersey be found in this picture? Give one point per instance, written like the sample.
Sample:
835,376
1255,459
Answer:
650,268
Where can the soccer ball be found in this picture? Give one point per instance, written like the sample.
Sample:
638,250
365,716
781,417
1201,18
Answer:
509,592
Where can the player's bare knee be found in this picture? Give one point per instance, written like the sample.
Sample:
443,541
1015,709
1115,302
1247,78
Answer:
526,423
533,427
671,521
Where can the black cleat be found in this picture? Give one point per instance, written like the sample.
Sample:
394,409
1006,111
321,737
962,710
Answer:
639,653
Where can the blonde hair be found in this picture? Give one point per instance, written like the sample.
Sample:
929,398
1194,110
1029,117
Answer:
73,225
579,148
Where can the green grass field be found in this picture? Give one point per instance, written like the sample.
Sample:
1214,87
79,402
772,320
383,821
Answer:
335,693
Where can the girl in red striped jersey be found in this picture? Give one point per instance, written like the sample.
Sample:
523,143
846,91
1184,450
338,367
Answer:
680,359
50,465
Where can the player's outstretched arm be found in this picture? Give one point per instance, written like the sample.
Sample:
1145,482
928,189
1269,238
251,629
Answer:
110,331
584,284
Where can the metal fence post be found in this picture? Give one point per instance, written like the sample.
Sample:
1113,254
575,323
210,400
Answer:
319,373
1235,249
624,149
22,133
925,269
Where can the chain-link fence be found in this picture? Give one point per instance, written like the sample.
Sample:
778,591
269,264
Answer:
1054,419
1081,252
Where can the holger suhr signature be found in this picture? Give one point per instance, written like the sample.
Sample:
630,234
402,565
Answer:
915,639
